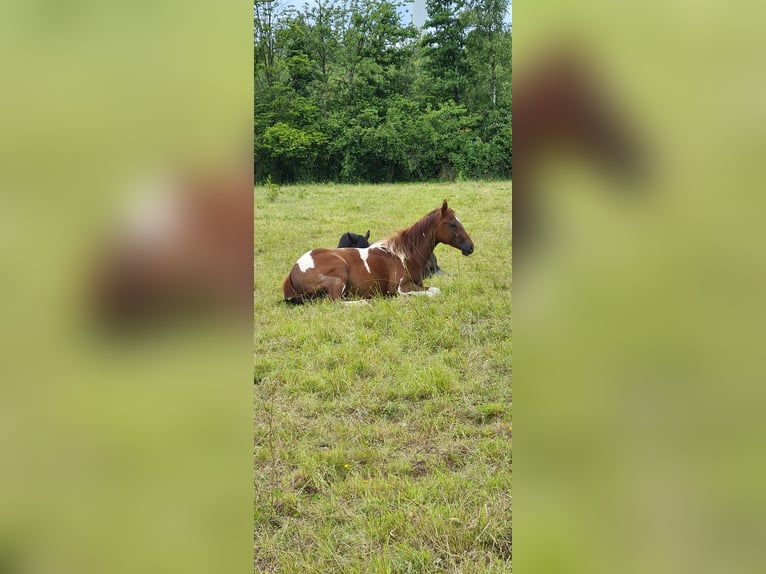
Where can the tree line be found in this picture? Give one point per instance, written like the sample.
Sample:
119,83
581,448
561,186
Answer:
346,92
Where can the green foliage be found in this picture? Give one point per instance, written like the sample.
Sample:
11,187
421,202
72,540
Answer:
272,190
346,92
284,140
444,43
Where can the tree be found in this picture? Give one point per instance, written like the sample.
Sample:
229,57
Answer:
346,92
487,41
444,42
265,17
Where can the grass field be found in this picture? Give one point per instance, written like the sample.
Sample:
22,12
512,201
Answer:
383,431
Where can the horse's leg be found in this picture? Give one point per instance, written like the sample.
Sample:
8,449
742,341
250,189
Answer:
411,288
335,287
430,292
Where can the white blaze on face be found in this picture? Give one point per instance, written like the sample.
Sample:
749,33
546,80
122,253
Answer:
306,262
363,253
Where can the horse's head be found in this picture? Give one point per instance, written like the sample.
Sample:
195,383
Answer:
450,231
564,104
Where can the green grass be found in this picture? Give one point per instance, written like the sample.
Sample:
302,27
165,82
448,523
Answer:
383,431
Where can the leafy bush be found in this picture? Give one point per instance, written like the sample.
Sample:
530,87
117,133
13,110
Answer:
273,191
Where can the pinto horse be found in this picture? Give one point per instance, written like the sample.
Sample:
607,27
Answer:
388,267
355,240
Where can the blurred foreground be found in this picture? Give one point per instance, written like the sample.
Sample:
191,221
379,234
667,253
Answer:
183,247
638,371
125,454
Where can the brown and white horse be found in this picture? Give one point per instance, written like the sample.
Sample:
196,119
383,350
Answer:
388,267
356,240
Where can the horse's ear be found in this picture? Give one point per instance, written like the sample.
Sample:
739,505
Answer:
444,207
367,235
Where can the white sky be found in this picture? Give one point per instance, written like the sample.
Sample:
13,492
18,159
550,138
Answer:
418,10
415,9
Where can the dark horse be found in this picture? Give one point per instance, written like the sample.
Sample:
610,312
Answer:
560,105
388,267
355,240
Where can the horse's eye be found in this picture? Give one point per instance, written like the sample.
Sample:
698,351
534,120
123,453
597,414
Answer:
453,225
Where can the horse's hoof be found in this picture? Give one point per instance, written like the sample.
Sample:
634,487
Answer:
433,291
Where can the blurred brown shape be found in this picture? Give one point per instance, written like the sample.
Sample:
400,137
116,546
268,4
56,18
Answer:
186,251
562,106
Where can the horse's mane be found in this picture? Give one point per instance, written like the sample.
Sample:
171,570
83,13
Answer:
405,243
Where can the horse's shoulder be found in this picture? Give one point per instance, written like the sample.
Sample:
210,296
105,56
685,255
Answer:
378,250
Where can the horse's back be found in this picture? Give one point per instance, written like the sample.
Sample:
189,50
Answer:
361,272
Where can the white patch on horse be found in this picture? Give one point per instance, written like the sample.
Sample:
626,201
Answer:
306,262
383,246
458,219
363,253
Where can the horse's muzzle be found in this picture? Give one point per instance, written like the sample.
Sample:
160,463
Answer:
467,249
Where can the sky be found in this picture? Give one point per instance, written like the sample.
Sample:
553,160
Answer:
415,10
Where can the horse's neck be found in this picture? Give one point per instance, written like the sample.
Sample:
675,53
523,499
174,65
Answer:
424,244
